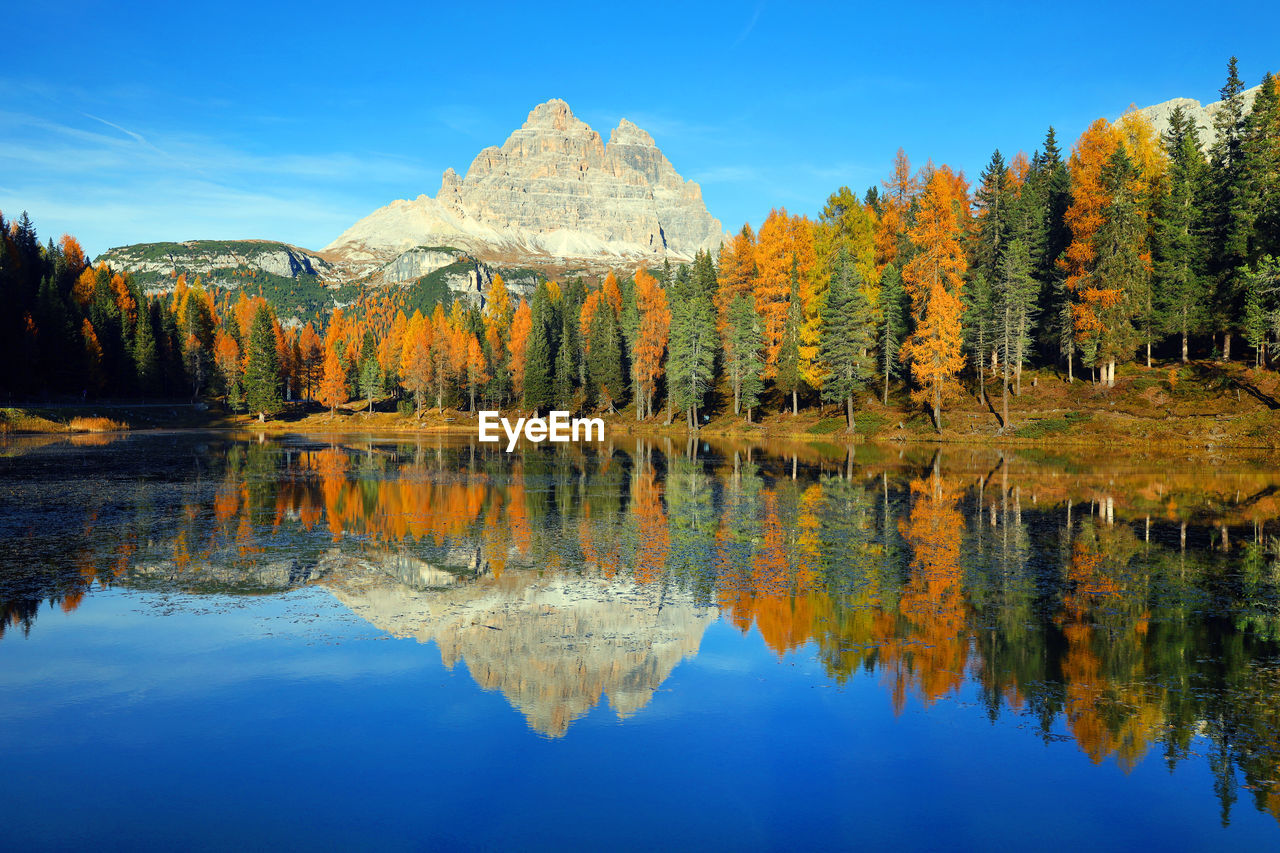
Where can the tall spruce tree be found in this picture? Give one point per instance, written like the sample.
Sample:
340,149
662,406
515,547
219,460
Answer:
1014,302
1179,254
1260,172
845,340
994,198
567,358
1230,213
370,370
691,346
892,325
605,360
979,327
1120,275
539,391
262,373
146,353
744,361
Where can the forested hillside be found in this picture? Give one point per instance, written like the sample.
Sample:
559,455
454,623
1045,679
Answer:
1131,247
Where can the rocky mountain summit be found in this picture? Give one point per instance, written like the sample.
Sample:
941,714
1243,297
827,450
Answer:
1203,116
553,192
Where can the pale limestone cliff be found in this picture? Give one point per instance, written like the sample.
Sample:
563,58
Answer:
553,191
1203,116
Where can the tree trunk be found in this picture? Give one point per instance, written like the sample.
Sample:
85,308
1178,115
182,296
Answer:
1070,367
795,405
937,408
849,413
982,383
1148,353
1226,346
1184,346
1004,400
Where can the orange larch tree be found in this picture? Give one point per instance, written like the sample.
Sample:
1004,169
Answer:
416,367
521,325
785,245
333,387
651,339
1085,216
933,280
736,274
477,368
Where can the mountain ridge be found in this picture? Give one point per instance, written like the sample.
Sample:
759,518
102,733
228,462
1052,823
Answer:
554,191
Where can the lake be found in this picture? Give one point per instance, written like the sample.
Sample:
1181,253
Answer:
212,640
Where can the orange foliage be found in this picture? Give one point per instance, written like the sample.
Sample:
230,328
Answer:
933,279
785,244
655,325
521,325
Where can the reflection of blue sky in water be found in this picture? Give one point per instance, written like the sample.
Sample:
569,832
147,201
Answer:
258,720
503,647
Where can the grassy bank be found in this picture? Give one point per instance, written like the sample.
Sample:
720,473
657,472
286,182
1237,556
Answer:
1203,404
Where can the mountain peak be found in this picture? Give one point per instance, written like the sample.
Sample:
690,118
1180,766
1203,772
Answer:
627,133
554,115
553,191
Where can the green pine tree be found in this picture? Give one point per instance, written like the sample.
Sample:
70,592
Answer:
1256,319
604,359
892,325
539,390
146,353
1120,266
744,363
691,346
262,375
1014,303
979,322
565,376
1179,254
1230,213
845,340
994,198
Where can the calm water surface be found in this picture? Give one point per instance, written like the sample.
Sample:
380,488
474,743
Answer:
211,641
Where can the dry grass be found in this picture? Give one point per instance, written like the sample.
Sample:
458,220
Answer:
96,424
17,421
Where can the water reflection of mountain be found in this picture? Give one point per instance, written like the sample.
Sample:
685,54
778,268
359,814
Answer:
552,644
1133,606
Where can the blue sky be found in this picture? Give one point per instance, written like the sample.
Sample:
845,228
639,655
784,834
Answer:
179,121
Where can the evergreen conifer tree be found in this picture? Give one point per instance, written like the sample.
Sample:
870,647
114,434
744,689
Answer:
744,360
892,324
262,374
845,340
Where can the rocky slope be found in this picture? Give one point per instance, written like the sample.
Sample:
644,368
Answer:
1158,114
554,191
211,259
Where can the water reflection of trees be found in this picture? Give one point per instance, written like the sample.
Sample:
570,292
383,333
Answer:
1133,608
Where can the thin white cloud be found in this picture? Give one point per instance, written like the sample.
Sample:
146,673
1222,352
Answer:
751,24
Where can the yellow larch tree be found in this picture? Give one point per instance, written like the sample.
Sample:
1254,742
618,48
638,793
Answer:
933,279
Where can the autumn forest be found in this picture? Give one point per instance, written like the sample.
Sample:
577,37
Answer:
1131,247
